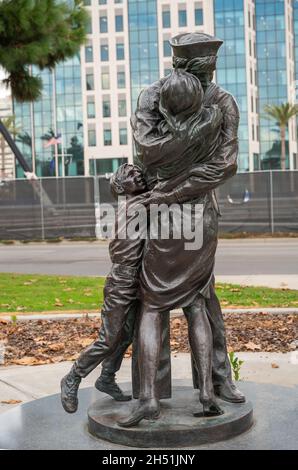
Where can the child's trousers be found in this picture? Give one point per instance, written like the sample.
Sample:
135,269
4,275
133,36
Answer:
118,316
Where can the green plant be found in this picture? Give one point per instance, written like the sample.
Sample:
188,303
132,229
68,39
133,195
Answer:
281,115
236,364
13,318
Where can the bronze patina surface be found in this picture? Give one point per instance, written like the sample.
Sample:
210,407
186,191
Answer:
185,131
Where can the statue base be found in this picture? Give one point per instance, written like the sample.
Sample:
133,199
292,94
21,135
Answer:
43,424
176,427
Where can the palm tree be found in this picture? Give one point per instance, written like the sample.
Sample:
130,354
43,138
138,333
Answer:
281,115
25,138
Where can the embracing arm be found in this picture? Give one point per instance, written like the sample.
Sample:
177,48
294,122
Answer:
205,176
208,176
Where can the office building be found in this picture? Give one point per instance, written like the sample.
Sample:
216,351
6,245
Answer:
87,101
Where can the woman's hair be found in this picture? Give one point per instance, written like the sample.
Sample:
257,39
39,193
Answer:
196,66
181,93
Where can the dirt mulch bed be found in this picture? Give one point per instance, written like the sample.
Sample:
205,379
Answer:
46,341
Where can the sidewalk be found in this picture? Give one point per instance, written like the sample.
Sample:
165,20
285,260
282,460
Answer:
174,313
287,281
26,383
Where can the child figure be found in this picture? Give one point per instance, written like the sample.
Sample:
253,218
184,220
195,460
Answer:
120,299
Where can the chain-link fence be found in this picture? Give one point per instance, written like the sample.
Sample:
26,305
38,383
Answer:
263,202
260,202
47,208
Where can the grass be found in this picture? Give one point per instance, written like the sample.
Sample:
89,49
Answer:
26,293
41,293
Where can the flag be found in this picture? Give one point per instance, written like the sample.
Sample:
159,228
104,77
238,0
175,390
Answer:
53,141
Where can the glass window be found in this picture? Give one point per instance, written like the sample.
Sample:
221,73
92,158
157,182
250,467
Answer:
91,138
89,81
104,52
103,24
91,109
256,161
106,108
241,75
120,51
167,51
182,18
88,54
122,107
123,136
166,19
118,1
87,3
121,79
89,26
119,23
60,86
105,80
107,137
105,165
199,17
102,2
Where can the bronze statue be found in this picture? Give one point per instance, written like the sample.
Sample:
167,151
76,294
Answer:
185,129
197,54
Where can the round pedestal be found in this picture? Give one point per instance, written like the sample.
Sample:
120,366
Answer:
176,427
43,424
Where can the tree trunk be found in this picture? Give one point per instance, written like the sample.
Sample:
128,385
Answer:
283,147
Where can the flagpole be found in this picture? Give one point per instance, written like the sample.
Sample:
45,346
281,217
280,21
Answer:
63,161
55,122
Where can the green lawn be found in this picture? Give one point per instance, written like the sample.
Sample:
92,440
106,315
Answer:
39,293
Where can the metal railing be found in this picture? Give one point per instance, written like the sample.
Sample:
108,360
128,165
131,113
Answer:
47,208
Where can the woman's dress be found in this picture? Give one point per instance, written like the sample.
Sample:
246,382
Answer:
171,275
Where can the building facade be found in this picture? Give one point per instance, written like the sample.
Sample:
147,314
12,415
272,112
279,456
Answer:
7,166
87,102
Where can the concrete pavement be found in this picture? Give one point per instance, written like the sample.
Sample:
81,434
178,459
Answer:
250,259
285,281
27,383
